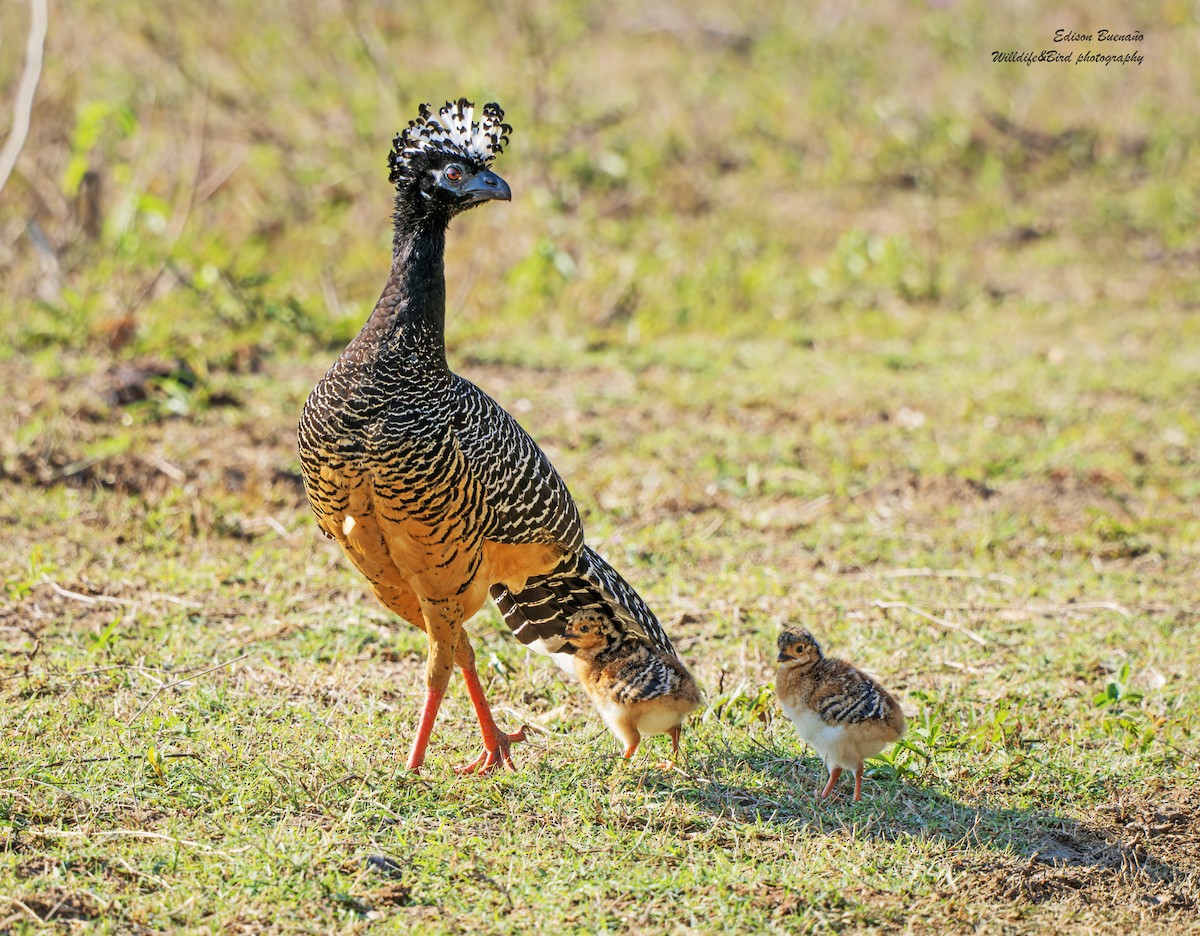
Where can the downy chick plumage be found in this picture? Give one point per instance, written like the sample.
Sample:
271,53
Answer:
841,711
639,688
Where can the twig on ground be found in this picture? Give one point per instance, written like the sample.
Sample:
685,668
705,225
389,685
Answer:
1089,606
527,721
105,760
121,833
161,689
943,573
20,906
86,599
109,599
23,108
941,622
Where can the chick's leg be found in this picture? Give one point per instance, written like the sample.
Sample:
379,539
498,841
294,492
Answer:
673,734
496,743
858,775
443,632
627,733
833,778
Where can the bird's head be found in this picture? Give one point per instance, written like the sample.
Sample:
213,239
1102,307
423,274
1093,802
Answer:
590,633
797,648
439,163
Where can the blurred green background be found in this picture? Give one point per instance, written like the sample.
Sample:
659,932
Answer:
214,172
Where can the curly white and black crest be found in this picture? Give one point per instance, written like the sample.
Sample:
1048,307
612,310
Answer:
453,130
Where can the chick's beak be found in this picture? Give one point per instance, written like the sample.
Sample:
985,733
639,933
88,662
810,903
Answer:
783,657
486,186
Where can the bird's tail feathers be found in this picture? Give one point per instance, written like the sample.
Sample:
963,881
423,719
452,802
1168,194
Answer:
582,582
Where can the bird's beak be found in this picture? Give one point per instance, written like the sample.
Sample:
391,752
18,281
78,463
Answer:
486,186
783,657
569,635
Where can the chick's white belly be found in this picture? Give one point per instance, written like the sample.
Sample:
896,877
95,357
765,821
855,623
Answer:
657,721
829,741
611,713
652,721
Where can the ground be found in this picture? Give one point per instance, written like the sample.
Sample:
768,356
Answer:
825,322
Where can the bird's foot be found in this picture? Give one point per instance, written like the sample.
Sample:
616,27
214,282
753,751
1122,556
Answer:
495,753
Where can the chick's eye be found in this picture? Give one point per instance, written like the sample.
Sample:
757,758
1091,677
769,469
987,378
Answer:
453,174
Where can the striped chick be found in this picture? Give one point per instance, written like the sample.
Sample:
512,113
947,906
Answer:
639,688
841,711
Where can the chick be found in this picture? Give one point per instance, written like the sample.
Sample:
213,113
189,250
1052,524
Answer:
842,712
639,689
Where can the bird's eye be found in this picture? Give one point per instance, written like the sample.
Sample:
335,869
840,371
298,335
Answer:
453,174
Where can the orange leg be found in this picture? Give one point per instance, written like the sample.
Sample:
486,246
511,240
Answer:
833,778
673,734
858,775
443,634
433,700
632,738
495,742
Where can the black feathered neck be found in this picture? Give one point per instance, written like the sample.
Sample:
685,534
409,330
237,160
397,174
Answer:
407,329
408,325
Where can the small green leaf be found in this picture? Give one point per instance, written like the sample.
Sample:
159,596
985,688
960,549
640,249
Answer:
102,639
155,762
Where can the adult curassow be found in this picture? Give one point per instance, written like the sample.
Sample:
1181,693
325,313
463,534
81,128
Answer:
431,488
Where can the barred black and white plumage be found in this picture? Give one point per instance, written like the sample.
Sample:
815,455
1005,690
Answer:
841,711
583,582
435,493
639,687
418,434
856,700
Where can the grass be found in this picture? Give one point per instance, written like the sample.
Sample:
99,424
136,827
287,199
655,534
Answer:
825,320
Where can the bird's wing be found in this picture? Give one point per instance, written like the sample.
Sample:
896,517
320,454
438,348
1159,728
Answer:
527,500
581,583
648,676
847,697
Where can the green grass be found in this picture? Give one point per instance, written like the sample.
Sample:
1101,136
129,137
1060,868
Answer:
825,320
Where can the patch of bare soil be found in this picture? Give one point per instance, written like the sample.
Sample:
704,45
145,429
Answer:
174,455
117,429
126,473
59,903
126,382
390,895
1064,500
249,923
779,902
35,867
1165,825
1141,863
